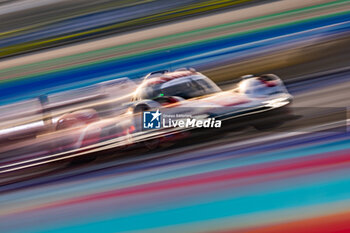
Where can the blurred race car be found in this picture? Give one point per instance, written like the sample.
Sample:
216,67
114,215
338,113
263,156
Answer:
183,92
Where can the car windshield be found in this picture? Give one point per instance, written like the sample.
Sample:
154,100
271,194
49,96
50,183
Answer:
185,87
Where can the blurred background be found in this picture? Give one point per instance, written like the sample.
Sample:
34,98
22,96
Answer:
61,55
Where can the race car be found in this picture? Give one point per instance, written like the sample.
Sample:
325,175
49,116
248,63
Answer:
183,92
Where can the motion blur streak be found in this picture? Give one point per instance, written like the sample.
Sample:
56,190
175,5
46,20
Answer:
228,189
65,59
203,53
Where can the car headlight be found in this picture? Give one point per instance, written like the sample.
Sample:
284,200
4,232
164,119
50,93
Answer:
275,103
